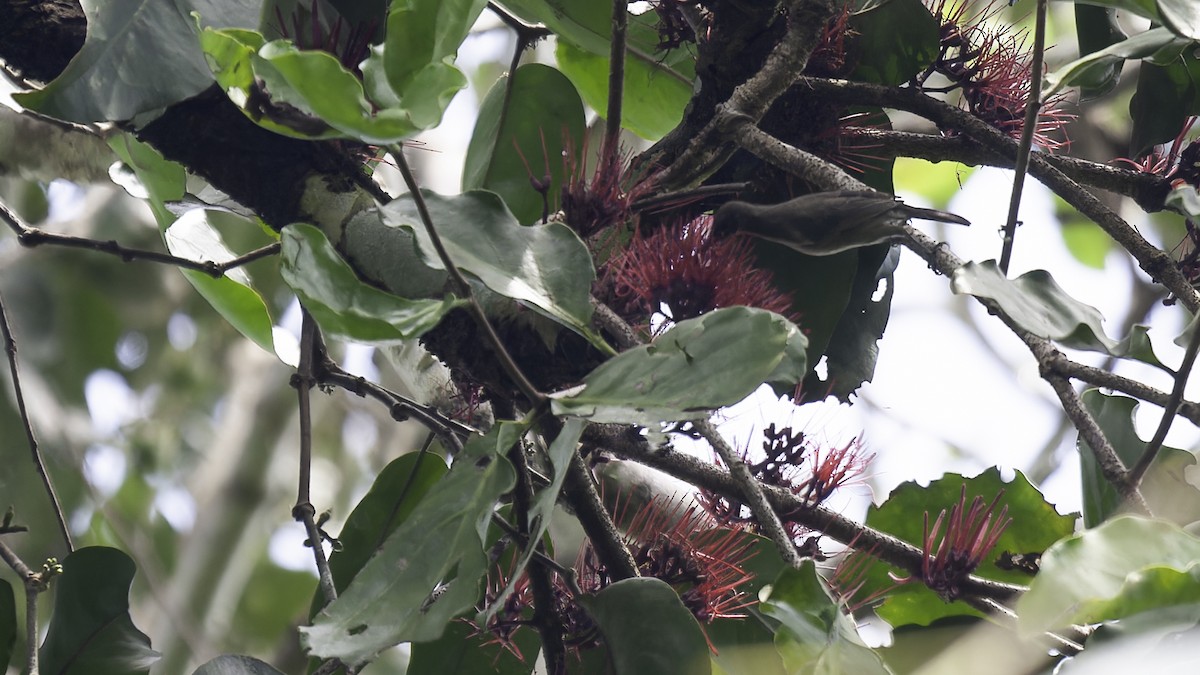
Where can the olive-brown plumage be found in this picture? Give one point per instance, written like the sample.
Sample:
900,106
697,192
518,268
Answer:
825,223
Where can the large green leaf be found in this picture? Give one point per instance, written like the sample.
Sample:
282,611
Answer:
1168,493
1165,98
139,55
544,266
697,366
815,635
1098,65
652,99
90,631
540,511
8,623
346,307
230,664
395,494
1039,305
536,116
430,569
1097,30
1125,566
233,297
891,42
647,629
1035,526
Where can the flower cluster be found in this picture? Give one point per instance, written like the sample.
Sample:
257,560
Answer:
795,463
682,271
680,545
991,66
971,532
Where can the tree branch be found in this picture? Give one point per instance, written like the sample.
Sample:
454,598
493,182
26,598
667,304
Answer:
10,348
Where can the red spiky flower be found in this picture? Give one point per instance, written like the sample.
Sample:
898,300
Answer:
991,65
605,199
795,463
680,545
683,269
971,533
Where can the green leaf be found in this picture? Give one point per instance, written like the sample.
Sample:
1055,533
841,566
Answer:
193,236
647,629
8,623
430,569
230,664
853,346
1181,16
697,366
1097,30
463,651
139,55
346,307
1157,641
891,42
397,491
544,266
1093,68
1166,96
537,115
653,98
815,635
1168,493
299,93
1035,526
1039,305
560,453
90,631
1125,566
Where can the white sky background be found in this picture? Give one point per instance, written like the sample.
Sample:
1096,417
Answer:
945,398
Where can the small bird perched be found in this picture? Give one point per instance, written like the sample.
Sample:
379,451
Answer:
824,223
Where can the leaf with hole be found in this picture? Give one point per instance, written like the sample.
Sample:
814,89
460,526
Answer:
697,366
430,569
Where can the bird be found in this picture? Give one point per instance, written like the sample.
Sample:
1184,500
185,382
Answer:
825,223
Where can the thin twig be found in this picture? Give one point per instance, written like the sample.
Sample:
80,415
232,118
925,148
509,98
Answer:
616,79
450,432
1134,477
751,491
530,392
10,347
1158,264
545,616
304,511
32,237
1033,106
1147,189
34,585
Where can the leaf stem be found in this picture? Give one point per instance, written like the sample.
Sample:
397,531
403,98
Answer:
530,392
